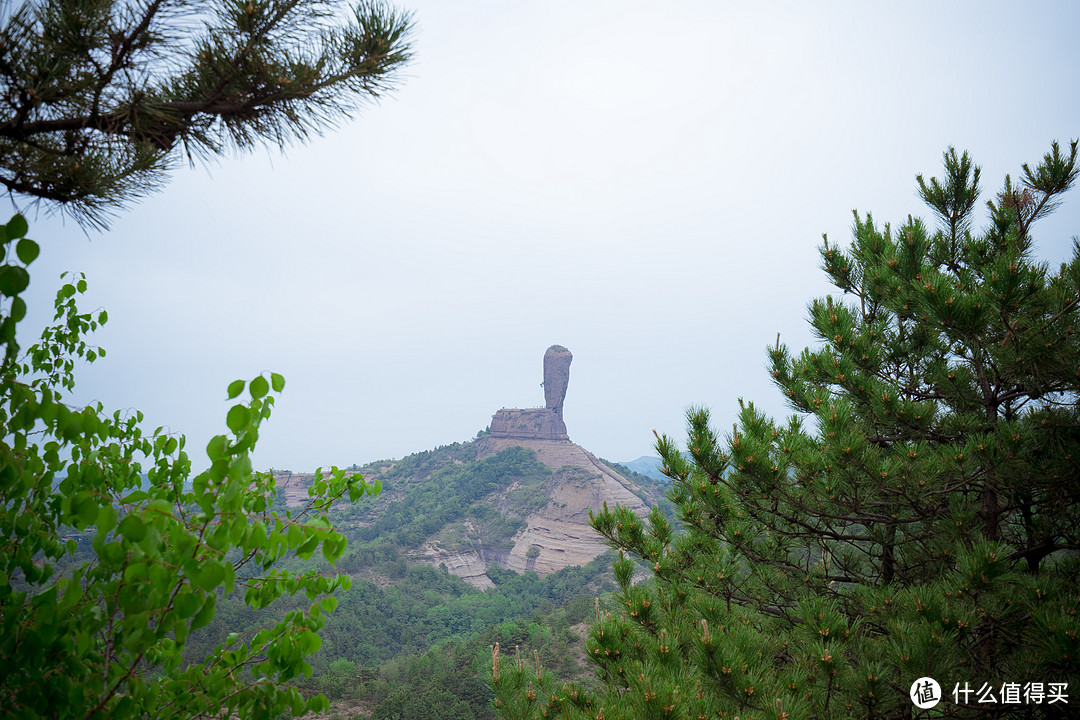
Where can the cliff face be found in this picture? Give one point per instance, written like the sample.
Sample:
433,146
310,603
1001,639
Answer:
544,423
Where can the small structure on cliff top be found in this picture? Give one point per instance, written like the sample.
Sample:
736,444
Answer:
544,423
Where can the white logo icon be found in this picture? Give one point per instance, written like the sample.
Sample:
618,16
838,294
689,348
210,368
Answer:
925,693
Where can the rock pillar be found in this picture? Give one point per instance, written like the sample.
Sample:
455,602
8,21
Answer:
556,377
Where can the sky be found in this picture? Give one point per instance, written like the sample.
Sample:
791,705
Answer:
645,183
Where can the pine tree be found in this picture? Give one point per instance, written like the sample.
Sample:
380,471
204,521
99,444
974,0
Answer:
96,98
918,516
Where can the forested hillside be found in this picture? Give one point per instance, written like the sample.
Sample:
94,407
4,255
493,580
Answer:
420,635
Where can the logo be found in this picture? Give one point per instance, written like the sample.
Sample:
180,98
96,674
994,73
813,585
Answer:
925,693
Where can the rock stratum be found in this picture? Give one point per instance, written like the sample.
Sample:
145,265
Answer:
558,534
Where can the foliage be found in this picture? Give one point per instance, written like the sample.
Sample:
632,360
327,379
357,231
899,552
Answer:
423,635
97,95
448,675
378,622
917,516
113,552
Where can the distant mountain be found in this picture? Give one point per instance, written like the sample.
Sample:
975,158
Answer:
647,465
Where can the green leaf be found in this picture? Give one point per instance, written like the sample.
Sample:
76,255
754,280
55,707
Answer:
113,553
238,417
206,613
132,527
85,507
209,575
106,518
307,548
277,381
309,642
13,280
259,387
135,572
332,547
235,388
138,639
18,309
329,603
134,497
27,250
17,227
161,506
186,604
215,449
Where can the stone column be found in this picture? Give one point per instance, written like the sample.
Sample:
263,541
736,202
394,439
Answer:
556,377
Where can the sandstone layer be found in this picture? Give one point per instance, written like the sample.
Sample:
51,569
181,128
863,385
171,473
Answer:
469,566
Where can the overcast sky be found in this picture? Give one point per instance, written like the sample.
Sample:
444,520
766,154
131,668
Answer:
644,183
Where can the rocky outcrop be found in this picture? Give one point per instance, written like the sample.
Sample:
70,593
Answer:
532,522
469,566
529,423
557,361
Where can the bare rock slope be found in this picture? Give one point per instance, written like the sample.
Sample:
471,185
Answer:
560,530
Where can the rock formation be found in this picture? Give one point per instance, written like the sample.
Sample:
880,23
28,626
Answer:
544,423
556,377
557,535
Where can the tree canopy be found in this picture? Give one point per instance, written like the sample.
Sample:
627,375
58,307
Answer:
98,99
918,516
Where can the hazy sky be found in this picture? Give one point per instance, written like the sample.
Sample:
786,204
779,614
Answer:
644,183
